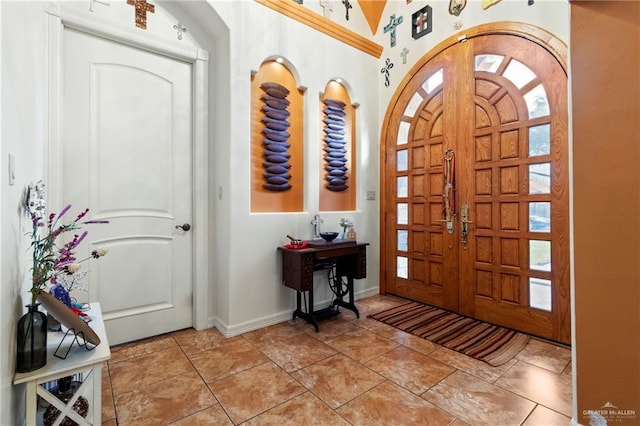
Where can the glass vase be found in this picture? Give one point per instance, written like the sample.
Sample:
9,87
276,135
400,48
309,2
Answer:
31,340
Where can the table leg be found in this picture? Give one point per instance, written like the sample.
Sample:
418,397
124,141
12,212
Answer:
349,305
97,394
309,314
32,402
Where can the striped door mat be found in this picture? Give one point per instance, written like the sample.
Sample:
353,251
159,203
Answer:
487,342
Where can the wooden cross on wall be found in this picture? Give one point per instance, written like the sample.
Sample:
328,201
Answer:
420,22
142,7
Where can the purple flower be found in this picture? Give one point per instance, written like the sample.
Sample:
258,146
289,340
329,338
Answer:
82,214
60,293
63,211
52,262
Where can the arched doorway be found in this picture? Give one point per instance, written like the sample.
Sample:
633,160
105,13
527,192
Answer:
475,182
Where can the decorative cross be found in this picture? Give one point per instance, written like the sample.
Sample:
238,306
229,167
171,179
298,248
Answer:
404,54
316,226
421,19
92,3
327,8
142,7
388,65
180,29
347,6
391,27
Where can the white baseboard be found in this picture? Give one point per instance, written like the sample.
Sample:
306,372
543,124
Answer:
258,323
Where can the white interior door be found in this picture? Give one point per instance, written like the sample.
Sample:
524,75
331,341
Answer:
127,152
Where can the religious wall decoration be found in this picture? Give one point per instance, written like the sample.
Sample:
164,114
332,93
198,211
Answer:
142,7
327,8
404,54
276,138
391,27
347,6
335,145
180,29
385,70
456,6
421,22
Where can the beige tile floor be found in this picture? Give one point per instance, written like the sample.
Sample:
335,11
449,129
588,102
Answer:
354,371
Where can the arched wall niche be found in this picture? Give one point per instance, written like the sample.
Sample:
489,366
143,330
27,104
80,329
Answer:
337,148
277,139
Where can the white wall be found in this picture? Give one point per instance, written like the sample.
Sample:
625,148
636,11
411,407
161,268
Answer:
256,295
23,135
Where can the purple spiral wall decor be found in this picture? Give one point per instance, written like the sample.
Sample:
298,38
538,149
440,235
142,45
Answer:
276,138
335,145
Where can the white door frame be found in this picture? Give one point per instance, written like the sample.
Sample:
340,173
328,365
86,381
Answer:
56,21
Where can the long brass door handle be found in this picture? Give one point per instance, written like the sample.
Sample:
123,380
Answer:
464,220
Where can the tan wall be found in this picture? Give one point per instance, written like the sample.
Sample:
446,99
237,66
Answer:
605,73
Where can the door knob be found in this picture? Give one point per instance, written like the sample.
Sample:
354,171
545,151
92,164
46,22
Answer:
184,227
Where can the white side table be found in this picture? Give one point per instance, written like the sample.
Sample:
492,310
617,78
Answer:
78,360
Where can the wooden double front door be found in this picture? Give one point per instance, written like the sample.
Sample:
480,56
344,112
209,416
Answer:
475,185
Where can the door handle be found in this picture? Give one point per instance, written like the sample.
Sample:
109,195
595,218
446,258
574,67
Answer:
448,191
464,220
184,227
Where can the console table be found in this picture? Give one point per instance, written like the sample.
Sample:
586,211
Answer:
78,360
348,259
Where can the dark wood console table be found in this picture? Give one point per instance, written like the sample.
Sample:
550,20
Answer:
347,259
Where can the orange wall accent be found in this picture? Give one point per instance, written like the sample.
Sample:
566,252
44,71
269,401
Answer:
344,200
263,200
605,70
372,10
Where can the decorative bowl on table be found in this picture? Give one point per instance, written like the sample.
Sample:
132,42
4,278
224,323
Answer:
328,236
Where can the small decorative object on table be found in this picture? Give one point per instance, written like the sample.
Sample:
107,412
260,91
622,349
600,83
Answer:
351,233
345,224
31,340
50,262
295,243
328,236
